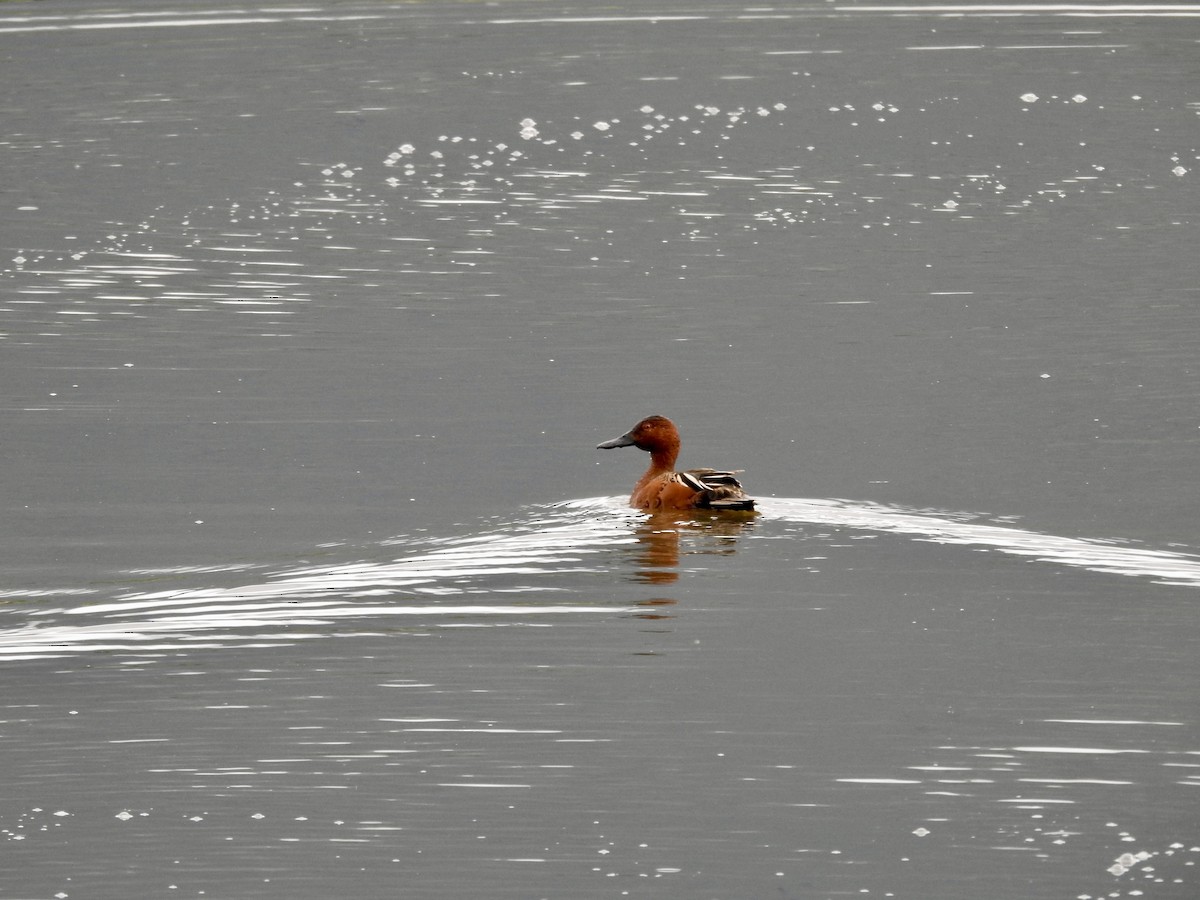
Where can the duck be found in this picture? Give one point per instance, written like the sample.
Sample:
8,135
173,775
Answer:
662,488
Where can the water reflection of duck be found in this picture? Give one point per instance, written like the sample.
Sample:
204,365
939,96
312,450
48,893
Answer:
661,487
658,549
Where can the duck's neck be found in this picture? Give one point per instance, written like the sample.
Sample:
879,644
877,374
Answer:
662,459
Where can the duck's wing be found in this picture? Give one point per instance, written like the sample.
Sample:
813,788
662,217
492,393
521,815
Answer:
716,477
718,489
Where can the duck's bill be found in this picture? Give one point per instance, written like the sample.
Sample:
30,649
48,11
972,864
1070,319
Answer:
623,441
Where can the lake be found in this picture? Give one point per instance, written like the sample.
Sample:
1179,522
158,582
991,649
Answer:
314,585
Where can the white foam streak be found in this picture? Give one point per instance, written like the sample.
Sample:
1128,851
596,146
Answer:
519,560
320,598
114,21
1163,566
1042,9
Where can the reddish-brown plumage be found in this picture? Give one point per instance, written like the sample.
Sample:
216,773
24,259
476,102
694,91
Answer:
661,487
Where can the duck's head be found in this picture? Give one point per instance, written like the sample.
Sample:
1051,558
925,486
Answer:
653,434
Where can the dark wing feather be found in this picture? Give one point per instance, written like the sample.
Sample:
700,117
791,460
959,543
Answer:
721,490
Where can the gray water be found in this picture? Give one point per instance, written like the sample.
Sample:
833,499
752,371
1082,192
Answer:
313,585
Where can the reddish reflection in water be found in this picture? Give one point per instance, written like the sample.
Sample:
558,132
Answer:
654,608
666,536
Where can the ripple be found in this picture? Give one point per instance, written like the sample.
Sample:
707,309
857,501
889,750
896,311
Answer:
497,578
727,186
1096,555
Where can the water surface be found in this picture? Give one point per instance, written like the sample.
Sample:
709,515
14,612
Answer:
310,319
